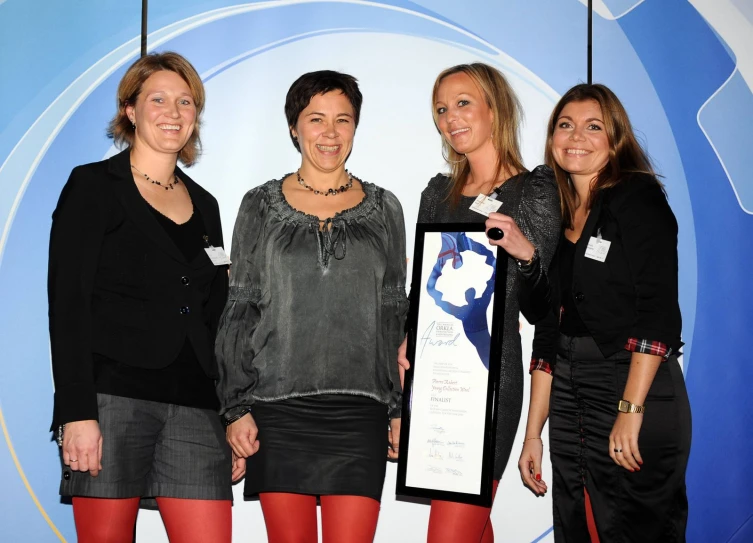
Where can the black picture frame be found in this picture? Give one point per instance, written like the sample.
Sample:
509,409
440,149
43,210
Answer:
484,496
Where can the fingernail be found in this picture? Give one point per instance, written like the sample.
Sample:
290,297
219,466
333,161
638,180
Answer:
538,477
631,470
640,462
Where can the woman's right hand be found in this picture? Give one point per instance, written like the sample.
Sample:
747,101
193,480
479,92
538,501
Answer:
402,361
241,435
82,446
529,466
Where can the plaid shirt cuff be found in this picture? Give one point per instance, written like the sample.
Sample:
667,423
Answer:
645,346
540,364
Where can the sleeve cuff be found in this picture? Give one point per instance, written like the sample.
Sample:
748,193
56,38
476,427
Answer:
540,364
646,346
74,402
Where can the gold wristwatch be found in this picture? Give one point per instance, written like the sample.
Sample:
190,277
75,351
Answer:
624,406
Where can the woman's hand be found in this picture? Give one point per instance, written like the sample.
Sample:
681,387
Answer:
241,435
514,242
393,437
623,441
403,364
82,446
529,466
239,467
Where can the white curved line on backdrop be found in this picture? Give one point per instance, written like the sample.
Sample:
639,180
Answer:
601,9
711,142
734,28
100,70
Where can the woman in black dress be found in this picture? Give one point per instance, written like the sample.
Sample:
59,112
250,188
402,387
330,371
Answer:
307,342
477,114
607,353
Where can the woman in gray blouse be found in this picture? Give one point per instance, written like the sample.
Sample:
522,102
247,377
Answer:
477,115
306,345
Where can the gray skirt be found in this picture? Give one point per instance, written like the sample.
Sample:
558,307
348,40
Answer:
153,449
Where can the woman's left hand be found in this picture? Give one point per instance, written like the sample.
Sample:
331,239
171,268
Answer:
514,242
239,467
393,437
623,441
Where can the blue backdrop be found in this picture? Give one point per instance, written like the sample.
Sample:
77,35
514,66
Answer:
683,69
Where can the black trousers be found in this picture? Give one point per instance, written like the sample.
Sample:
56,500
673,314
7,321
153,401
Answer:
646,506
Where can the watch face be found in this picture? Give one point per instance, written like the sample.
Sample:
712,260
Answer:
623,406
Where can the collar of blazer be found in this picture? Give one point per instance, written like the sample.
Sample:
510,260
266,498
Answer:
119,166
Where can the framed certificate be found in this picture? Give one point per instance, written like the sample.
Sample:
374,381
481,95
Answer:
455,346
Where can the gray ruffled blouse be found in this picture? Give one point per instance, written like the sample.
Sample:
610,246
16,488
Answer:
313,311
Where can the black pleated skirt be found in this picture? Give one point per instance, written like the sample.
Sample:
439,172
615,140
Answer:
333,444
646,506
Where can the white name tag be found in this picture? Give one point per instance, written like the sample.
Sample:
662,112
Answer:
597,249
485,205
217,255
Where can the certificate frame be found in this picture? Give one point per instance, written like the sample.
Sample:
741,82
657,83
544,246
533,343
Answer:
418,473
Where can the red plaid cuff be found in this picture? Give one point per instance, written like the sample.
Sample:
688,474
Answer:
645,346
540,364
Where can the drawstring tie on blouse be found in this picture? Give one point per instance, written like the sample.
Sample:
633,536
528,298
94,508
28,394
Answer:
330,238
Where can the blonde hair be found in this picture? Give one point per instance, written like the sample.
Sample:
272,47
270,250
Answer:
507,115
121,129
625,153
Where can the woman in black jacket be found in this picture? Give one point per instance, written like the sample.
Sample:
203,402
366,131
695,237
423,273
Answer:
134,302
607,352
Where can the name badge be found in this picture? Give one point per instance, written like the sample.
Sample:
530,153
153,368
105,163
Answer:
217,255
485,205
598,248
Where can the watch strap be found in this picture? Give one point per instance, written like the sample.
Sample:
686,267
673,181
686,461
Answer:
624,406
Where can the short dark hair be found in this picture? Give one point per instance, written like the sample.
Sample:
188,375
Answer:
313,83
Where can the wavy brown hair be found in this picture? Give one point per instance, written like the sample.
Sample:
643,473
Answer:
120,128
625,153
506,109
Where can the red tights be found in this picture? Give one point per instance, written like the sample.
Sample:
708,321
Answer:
452,522
291,518
105,520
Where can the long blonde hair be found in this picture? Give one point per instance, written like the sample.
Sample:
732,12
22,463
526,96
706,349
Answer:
507,114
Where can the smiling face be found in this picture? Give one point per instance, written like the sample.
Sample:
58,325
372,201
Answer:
164,114
579,143
462,114
325,131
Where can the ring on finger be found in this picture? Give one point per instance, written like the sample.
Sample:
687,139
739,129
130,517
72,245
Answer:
618,450
74,460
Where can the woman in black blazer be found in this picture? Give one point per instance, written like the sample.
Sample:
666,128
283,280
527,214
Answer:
134,302
607,351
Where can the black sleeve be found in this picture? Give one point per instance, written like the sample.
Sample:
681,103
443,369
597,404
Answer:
649,235
79,223
540,221
546,334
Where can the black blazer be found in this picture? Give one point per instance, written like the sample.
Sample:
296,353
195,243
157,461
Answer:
119,286
634,292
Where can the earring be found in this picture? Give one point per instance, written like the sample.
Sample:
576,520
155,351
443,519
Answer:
133,124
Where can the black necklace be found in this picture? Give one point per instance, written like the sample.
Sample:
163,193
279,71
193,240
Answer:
333,192
168,186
